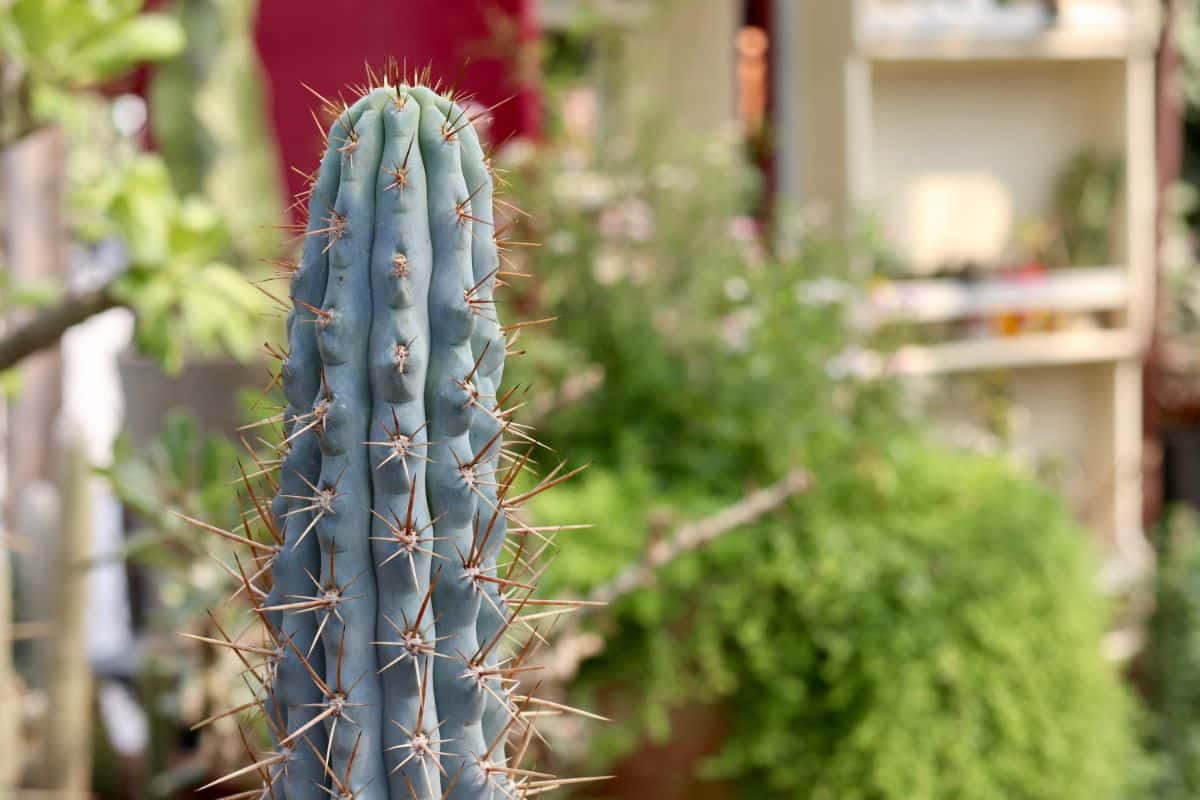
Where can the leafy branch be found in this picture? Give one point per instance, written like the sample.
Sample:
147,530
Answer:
48,325
572,648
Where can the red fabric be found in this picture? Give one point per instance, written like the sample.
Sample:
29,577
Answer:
470,44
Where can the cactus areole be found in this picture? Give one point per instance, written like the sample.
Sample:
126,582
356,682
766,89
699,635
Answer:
389,620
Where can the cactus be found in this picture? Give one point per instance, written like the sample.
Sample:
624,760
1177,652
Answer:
388,606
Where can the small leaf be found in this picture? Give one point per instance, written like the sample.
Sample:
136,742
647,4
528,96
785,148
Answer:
146,37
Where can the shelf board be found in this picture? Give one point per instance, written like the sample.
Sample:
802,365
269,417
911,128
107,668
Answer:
1070,290
1050,44
1029,350
563,14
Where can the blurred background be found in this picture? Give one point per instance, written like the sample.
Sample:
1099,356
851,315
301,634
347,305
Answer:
878,321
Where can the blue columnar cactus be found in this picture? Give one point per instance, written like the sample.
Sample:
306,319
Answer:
389,607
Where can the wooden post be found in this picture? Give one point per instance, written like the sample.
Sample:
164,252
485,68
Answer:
33,182
67,758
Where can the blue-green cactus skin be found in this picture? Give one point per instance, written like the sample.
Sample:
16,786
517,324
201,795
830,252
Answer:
385,605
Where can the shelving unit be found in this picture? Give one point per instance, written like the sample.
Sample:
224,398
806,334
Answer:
887,117
1026,351
941,300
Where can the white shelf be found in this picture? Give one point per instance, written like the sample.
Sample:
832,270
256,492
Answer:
1029,350
563,14
893,114
1070,290
1049,44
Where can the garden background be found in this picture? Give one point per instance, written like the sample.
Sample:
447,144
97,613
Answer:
843,553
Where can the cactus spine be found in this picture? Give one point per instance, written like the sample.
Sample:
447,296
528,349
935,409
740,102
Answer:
387,604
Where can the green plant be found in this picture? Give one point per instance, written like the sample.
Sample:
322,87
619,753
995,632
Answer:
209,119
1085,206
57,46
387,603
920,624
1170,668
179,279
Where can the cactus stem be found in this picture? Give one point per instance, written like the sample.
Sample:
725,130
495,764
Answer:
402,354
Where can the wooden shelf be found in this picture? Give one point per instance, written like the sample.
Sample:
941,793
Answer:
563,14
896,114
1070,290
1030,350
1051,44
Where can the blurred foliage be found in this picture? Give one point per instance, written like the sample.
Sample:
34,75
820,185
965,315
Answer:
922,624
1179,320
210,121
1171,664
1186,33
179,278
71,44
1085,204
184,471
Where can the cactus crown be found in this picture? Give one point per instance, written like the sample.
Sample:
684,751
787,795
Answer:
388,604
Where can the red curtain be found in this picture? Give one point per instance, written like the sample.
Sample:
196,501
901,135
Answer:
482,47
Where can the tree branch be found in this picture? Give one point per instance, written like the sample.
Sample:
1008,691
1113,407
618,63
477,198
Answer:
573,647
46,327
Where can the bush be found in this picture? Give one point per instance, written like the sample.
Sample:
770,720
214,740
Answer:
922,625
1170,668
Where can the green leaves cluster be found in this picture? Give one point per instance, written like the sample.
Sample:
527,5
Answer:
181,471
80,43
923,624
181,279
208,113
1170,669
180,283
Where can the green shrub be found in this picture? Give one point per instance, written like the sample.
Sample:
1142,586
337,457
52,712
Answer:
1170,668
922,625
